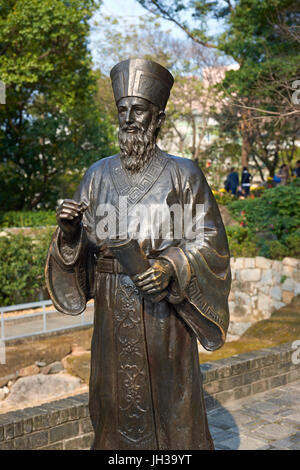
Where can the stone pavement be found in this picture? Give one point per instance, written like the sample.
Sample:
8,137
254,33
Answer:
265,421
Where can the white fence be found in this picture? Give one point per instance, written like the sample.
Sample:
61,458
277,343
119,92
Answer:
14,325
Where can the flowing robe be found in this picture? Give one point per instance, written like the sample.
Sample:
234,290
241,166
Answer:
145,383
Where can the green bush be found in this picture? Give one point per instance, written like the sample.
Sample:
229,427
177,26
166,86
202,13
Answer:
277,210
241,242
272,222
22,263
27,219
223,198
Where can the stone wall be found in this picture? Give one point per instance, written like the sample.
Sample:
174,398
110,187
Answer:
261,285
65,424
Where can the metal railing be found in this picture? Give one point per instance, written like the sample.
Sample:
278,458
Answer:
40,322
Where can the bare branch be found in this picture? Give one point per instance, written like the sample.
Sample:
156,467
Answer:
166,15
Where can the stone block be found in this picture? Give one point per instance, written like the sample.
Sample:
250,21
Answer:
288,270
240,311
277,266
224,397
242,392
64,431
260,386
79,443
293,375
243,298
239,263
267,277
278,381
252,274
265,303
41,421
249,263
7,445
56,446
9,431
263,263
18,428
294,262
85,426
296,275
31,441
287,296
297,288
289,285
277,278
29,370
30,389
275,293
252,376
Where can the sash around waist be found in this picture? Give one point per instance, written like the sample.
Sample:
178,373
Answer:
111,265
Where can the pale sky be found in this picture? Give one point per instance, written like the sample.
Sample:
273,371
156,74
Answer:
131,10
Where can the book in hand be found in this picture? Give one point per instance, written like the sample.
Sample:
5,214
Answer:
134,261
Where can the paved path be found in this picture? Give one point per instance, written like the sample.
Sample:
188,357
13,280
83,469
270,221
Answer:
266,421
15,326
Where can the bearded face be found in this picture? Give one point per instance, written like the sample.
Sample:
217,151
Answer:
139,124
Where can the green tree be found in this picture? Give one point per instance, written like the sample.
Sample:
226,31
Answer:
50,126
192,98
261,36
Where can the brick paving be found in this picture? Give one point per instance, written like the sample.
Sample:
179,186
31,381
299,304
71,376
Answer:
265,421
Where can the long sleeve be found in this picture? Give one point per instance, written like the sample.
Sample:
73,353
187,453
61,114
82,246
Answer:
69,268
202,279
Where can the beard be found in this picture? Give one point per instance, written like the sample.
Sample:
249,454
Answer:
137,149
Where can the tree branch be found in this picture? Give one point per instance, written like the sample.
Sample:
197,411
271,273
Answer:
166,15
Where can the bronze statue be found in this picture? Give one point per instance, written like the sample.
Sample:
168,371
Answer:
155,291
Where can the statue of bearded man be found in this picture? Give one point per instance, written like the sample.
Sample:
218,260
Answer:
145,383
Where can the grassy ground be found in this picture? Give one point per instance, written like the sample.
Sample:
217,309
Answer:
283,326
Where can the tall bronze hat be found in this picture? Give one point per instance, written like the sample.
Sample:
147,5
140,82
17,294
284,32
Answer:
142,78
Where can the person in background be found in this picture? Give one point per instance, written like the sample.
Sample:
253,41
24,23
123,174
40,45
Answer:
245,181
296,171
232,181
284,174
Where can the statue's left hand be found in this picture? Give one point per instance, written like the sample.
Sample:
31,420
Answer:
156,278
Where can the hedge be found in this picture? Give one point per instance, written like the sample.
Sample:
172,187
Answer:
27,219
269,225
22,264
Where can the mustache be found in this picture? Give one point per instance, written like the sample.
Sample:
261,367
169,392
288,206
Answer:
132,127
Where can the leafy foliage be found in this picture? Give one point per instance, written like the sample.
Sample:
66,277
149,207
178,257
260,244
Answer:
260,36
22,261
277,210
27,219
50,125
272,222
241,242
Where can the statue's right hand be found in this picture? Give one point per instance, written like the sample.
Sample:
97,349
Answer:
69,216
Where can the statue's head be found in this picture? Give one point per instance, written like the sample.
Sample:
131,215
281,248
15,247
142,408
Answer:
141,89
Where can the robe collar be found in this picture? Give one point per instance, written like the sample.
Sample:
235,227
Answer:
134,191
